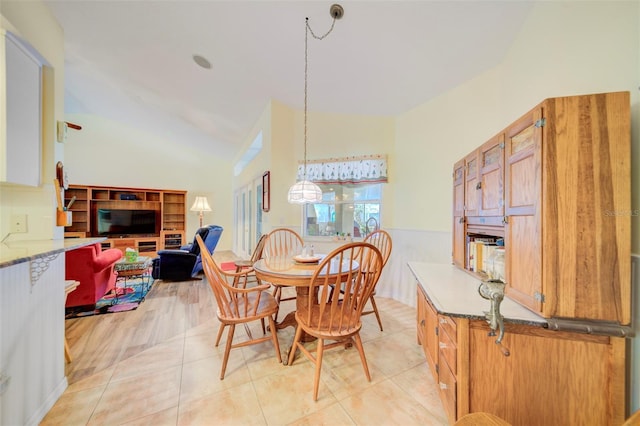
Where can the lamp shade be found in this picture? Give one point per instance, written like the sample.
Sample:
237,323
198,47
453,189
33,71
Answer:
304,192
200,205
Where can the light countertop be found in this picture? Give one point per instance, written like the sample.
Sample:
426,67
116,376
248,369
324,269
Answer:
15,252
455,292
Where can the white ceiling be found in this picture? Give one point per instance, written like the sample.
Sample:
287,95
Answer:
131,61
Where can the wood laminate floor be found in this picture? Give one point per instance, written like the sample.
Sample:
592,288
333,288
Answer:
158,365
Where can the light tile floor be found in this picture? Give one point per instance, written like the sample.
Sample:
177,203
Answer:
169,374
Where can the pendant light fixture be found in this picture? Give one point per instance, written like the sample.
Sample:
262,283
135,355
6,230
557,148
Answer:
305,191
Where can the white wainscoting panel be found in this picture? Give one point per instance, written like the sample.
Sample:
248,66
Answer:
396,281
31,341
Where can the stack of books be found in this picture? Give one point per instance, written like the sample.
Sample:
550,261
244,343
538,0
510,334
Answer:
481,255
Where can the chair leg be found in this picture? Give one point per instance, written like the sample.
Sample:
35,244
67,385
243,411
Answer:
232,328
220,330
316,378
375,310
362,357
274,336
294,347
248,331
277,293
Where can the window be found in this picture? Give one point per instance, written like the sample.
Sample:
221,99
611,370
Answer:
346,209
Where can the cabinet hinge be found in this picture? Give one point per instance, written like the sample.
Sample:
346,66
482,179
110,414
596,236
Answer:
538,296
501,145
437,369
541,122
505,219
479,185
437,331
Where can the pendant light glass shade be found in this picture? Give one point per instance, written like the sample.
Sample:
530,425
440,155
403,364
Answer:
304,192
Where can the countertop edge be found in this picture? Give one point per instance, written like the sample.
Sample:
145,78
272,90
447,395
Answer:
17,252
525,317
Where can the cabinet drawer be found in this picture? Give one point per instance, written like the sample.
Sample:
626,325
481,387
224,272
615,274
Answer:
447,382
123,243
447,351
448,325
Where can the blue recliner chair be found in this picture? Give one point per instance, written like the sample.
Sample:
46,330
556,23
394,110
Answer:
184,264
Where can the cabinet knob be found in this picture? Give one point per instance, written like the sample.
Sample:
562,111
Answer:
479,185
443,385
442,345
442,321
422,323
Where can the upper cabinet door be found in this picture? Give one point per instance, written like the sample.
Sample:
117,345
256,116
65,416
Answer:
523,146
471,184
491,189
22,139
458,214
458,189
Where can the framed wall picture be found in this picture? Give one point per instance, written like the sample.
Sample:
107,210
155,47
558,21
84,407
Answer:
266,191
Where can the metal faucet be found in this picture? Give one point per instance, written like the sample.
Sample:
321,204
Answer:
493,290
366,225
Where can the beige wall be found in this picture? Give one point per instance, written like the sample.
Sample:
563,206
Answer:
564,48
113,154
33,22
328,135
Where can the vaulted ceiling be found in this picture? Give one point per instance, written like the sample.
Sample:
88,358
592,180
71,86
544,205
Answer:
132,61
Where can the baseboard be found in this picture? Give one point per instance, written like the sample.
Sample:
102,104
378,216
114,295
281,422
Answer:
42,411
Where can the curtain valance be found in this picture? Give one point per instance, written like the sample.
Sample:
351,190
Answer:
363,169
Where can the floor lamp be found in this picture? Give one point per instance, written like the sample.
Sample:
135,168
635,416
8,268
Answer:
200,205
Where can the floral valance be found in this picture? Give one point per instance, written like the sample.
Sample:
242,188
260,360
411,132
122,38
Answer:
364,169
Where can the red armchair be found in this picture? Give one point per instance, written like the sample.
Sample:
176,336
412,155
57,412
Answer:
94,269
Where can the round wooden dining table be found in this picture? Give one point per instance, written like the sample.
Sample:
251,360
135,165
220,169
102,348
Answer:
286,271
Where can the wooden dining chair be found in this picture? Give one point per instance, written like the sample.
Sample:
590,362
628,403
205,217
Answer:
282,242
238,305
382,241
336,319
248,264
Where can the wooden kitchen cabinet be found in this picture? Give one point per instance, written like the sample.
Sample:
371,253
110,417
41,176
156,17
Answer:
556,186
567,204
548,378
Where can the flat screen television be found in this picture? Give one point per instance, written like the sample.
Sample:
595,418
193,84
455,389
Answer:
110,222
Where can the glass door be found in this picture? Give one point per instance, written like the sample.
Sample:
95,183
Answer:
248,218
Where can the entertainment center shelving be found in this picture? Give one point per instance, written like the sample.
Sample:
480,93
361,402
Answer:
169,206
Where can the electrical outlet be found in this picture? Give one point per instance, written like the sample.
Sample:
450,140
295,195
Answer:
18,223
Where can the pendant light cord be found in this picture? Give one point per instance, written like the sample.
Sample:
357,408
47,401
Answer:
306,78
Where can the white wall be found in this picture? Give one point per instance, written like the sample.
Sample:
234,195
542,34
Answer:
109,153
